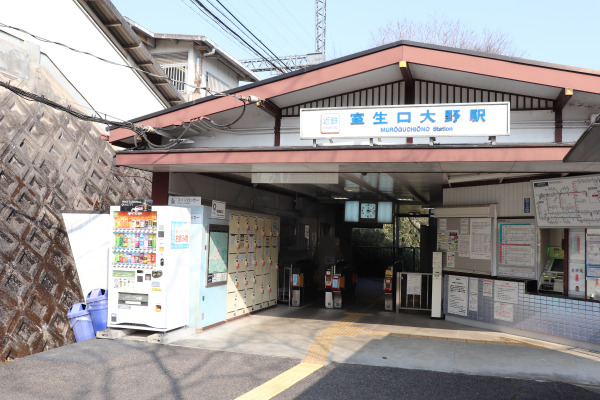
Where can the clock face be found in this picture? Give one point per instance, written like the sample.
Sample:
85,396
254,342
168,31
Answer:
368,210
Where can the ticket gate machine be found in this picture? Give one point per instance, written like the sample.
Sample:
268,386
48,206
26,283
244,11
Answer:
334,285
328,292
389,289
337,284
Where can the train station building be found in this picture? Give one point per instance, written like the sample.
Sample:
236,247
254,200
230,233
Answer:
498,152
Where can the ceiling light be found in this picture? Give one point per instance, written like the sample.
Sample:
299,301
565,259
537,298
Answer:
352,188
405,199
339,198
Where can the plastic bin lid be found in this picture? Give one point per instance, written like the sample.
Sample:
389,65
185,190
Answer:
96,295
77,310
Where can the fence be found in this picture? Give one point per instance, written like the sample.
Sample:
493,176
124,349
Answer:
413,291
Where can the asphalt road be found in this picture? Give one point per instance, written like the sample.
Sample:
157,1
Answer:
117,369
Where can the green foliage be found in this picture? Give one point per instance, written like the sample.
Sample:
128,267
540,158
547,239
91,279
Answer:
409,234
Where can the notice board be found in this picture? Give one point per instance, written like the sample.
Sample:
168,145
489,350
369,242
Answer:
567,202
467,243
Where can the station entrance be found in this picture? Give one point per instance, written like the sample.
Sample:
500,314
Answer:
381,270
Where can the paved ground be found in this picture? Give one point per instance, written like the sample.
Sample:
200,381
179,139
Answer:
312,353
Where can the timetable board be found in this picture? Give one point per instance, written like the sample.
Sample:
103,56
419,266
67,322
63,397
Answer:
517,248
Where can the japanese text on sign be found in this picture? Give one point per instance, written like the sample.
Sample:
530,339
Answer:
475,119
180,235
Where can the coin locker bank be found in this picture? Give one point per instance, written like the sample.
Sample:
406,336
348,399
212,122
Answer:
234,263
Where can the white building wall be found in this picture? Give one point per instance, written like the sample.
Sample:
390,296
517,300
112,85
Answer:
113,90
510,198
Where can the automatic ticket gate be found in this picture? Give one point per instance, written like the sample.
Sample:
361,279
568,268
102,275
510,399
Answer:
328,291
389,289
334,283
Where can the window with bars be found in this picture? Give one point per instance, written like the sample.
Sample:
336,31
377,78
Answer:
176,72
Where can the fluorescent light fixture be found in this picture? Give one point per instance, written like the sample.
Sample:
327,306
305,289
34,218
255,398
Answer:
324,178
352,188
428,208
404,199
351,211
384,212
339,198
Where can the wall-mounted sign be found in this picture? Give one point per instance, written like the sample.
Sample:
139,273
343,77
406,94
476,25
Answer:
423,120
217,210
136,205
190,201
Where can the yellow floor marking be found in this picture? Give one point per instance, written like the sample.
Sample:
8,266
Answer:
315,359
281,382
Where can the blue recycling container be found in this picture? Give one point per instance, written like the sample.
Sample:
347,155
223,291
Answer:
81,322
97,301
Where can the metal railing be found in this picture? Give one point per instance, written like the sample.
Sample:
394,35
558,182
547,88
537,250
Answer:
413,291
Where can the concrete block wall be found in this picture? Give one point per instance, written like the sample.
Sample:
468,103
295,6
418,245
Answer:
49,161
569,318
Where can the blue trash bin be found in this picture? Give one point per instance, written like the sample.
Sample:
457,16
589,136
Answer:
97,301
81,322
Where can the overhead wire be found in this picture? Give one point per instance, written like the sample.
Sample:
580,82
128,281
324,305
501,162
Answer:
251,22
140,131
277,17
302,26
248,30
209,21
41,39
225,27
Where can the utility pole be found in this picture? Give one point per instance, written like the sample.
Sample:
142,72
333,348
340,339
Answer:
298,61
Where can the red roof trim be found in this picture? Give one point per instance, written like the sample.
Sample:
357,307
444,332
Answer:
381,155
518,71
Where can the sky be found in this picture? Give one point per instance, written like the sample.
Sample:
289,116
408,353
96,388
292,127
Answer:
553,31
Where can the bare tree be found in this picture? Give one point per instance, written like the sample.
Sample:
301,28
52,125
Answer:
445,32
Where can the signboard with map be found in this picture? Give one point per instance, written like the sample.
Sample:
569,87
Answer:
567,202
217,255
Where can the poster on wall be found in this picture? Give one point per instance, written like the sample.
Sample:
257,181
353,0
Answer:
450,260
464,246
457,295
576,279
180,235
473,294
592,251
464,226
452,240
576,244
503,311
481,238
488,288
518,272
413,284
506,292
442,235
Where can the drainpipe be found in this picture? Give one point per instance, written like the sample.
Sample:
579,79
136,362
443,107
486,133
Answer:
199,81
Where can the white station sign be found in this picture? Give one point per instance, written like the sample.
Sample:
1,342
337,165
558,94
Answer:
422,120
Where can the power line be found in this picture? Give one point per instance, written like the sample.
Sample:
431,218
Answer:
41,39
248,30
140,131
224,26
256,23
